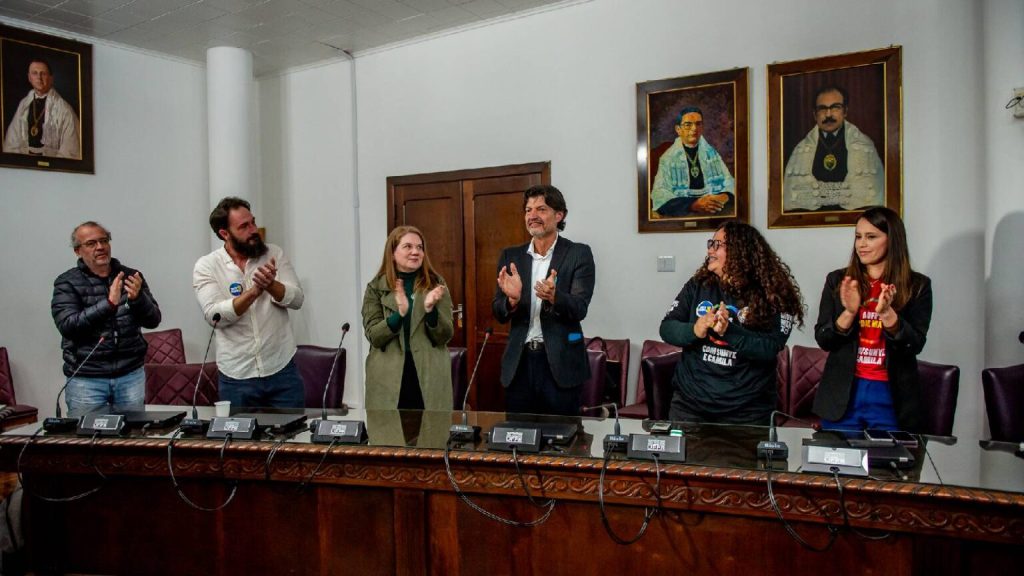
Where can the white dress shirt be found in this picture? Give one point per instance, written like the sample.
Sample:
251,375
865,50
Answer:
260,341
539,271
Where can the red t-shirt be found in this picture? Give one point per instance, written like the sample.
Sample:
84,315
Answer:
871,351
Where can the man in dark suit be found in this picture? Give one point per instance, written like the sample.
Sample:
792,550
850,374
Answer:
545,362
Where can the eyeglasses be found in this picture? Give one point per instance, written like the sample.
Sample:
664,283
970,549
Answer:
715,244
90,244
837,107
692,125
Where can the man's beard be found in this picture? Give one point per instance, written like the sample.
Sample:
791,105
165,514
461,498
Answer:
252,248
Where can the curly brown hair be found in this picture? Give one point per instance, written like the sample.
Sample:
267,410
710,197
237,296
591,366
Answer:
755,275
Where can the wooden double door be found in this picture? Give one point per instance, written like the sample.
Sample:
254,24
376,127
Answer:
467,218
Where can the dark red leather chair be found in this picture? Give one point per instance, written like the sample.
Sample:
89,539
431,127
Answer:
805,368
175,384
617,367
459,382
165,347
14,414
641,408
940,386
1004,402
657,375
782,379
314,364
594,387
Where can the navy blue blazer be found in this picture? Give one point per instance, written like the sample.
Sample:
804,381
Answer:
560,323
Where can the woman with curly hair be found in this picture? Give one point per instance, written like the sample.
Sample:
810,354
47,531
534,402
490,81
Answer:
407,317
873,322
731,319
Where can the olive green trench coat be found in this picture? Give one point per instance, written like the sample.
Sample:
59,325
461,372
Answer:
386,359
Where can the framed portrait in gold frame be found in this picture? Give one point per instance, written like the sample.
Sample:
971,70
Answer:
45,102
692,152
834,138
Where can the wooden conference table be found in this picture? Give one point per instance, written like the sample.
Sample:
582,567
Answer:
388,507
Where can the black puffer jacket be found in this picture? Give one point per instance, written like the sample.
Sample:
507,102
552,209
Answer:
82,314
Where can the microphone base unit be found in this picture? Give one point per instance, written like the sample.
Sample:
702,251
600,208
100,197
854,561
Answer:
337,432
238,428
522,438
777,450
463,433
648,446
616,443
194,426
60,424
102,424
834,459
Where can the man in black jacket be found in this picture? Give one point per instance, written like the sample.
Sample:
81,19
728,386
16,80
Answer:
544,290
101,298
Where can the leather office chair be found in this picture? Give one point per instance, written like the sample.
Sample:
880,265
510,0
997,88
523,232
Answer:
165,347
657,374
594,387
175,384
314,364
14,414
459,382
782,379
1004,402
617,367
940,386
805,369
641,408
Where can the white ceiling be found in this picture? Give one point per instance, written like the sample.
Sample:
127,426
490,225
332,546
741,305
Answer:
280,33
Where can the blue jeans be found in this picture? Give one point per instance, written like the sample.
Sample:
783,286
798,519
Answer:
281,390
870,408
122,394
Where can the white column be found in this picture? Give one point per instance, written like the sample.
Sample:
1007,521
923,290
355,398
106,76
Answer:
229,97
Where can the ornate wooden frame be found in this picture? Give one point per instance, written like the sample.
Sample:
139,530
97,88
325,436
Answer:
785,114
657,105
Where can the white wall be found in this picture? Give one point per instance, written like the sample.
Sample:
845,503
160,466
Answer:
149,190
308,202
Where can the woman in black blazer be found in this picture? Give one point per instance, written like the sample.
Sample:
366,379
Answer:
873,322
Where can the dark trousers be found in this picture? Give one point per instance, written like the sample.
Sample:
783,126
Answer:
410,397
281,390
533,390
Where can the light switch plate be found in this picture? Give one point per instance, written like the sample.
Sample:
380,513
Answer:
666,263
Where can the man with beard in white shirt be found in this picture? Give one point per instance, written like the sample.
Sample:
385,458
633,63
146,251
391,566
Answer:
251,285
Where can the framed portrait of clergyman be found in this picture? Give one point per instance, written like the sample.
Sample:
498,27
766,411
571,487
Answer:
45,102
834,138
691,152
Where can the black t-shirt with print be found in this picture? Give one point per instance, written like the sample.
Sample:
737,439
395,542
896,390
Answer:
730,377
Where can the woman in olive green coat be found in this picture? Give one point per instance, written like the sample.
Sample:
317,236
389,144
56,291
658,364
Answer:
407,317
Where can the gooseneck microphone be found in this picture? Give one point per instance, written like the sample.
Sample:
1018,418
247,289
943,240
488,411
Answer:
614,442
327,385
194,424
464,432
59,424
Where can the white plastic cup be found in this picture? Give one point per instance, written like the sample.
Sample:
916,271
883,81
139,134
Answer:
223,408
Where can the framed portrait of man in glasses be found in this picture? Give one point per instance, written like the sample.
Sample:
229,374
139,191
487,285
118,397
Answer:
834,138
692,151
45,102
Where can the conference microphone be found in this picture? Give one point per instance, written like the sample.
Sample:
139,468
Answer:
327,385
194,425
59,424
324,431
772,447
614,442
464,432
